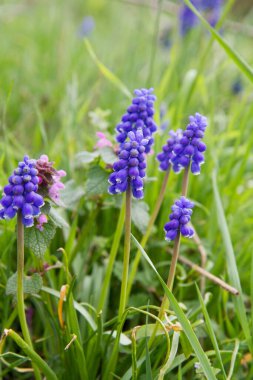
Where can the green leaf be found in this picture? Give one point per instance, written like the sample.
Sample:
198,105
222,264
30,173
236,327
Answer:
58,220
107,155
71,194
149,375
32,284
83,158
233,359
211,332
45,209
140,215
238,60
97,182
186,347
231,263
182,319
38,241
173,353
106,72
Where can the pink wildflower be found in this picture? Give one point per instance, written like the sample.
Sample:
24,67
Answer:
102,140
41,220
49,178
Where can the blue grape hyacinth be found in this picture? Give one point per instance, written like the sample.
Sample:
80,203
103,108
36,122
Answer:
21,193
129,169
139,115
167,151
189,150
179,218
188,19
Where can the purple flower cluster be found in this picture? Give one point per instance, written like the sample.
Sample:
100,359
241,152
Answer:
139,115
49,179
189,20
21,193
189,150
180,216
130,168
167,154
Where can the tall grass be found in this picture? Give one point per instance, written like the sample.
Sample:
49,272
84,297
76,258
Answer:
51,81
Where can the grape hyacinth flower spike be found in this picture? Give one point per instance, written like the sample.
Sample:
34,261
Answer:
167,151
130,168
179,218
189,150
177,226
22,193
188,20
139,115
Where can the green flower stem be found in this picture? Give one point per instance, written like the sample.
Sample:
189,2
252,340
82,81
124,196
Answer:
123,292
173,265
185,182
28,350
170,281
123,300
148,232
112,256
20,292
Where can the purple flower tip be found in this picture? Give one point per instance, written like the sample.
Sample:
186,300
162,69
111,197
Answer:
167,151
134,133
139,115
188,19
189,148
179,218
21,193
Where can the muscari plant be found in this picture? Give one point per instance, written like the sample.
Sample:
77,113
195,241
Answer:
32,184
182,151
188,20
188,155
134,134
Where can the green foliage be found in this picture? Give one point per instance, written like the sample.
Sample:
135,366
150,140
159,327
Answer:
32,284
38,241
56,92
97,182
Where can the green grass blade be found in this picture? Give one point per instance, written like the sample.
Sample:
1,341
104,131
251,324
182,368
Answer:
148,362
211,332
182,319
173,353
231,263
106,72
232,364
238,60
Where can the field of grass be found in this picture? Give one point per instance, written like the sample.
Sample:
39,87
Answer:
57,89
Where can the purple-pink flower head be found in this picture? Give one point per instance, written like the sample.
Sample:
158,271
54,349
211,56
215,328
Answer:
41,220
179,218
102,141
139,115
129,169
167,154
190,148
21,193
49,178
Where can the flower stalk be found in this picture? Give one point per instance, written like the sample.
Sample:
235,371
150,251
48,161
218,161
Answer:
28,350
148,232
20,290
127,242
112,257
